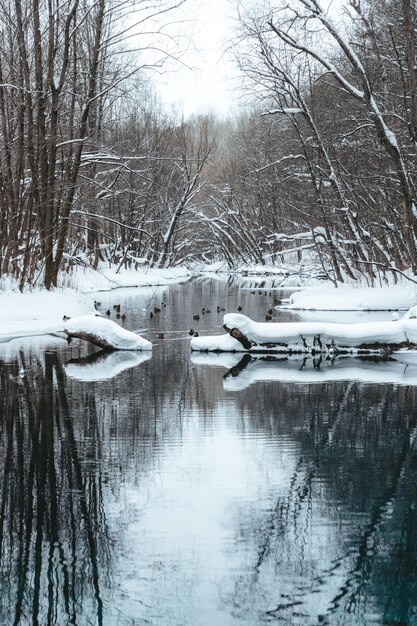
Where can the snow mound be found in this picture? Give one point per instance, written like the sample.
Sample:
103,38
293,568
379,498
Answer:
216,343
91,327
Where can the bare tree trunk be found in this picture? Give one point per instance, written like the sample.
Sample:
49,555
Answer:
410,54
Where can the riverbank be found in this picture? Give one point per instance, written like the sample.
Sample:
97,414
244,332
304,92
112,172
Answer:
352,298
40,312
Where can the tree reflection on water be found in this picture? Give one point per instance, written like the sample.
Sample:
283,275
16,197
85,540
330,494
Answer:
160,497
54,545
341,543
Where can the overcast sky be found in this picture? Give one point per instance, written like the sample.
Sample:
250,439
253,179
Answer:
204,80
207,79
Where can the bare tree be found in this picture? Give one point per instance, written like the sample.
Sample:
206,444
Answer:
59,70
302,65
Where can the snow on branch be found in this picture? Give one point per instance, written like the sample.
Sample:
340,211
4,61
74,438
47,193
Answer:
286,110
285,158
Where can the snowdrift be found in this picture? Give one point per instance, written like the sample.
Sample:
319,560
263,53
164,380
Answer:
310,337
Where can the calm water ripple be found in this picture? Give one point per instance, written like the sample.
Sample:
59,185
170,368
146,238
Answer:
137,490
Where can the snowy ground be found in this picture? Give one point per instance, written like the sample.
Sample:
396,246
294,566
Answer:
107,278
39,312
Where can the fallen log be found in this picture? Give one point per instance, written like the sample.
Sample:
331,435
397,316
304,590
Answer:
90,338
104,333
311,337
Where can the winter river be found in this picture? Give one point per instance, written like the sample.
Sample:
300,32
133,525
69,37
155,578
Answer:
170,489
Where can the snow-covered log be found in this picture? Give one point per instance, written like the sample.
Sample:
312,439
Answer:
310,337
104,333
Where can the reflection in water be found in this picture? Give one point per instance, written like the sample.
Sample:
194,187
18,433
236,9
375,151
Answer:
340,541
53,539
104,365
163,496
245,369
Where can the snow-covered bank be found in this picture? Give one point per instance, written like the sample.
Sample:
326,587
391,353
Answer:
43,305
347,298
248,370
105,278
308,337
268,276
40,312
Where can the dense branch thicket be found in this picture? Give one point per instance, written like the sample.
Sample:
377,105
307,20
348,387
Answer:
51,72
322,168
61,73
339,98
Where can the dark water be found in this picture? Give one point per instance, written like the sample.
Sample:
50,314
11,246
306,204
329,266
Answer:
137,490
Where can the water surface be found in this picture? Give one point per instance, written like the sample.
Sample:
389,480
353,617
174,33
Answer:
186,491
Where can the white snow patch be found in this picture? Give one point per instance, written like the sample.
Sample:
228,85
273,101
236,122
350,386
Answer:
88,280
118,337
346,298
342,317
216,343
42,305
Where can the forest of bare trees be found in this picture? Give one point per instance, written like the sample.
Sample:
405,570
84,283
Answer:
320,165
341,98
